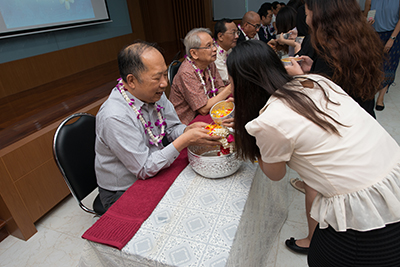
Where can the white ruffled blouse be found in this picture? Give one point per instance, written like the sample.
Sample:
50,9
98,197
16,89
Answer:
356,174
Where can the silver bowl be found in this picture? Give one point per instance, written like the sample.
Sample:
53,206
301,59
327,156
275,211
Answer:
222,105
206,162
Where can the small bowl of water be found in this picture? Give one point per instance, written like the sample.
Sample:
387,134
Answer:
287,60
222,110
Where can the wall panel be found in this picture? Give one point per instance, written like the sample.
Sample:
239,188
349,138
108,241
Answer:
20,224
26,158
24,74
42,188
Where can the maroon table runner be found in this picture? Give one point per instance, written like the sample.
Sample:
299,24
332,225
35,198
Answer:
123,219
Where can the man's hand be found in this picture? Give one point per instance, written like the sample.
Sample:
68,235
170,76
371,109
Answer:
195,134
198,125
200,136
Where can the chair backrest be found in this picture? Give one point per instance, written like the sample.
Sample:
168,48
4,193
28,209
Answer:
73,149
173,69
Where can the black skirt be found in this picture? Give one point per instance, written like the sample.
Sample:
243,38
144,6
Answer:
380,247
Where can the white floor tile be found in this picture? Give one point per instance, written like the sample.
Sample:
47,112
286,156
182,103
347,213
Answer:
7,243
70,219
46,248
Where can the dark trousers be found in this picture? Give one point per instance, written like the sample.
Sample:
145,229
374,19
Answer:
108,197
380,247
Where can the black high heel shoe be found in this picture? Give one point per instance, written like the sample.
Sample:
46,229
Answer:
379,107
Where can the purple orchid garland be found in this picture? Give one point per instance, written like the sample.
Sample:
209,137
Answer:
154,139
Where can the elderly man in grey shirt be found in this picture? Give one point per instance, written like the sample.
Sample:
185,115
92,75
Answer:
131,124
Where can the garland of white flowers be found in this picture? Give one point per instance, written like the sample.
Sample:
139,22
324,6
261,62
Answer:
221,51
245,35
227,140
154,139
224,133
199,71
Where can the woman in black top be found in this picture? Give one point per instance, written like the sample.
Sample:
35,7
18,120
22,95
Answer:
346,49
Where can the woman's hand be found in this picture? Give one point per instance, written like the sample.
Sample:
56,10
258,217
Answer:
388,45
228,123
306,64
230,99
272,43
296,69
293,34
281,40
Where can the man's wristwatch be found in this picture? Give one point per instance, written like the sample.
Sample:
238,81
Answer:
393,37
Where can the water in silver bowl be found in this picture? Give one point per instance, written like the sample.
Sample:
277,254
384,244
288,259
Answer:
210,154
206,162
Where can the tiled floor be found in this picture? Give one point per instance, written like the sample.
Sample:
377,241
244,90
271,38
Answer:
58,240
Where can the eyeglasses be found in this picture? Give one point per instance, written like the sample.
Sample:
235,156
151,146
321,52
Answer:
210,46
234,32
257,26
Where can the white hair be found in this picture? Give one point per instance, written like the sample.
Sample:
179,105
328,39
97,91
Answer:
192,39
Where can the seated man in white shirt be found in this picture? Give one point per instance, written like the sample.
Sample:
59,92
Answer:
225,35
131,124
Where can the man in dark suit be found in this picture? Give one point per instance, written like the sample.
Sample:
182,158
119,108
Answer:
265,13
249,27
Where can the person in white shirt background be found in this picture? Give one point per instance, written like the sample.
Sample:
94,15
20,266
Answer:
225,35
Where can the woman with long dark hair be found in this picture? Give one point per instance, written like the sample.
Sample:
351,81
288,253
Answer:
342,153
347,48
349,52
286,24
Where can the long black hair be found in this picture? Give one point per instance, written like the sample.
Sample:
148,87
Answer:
257,73
286,19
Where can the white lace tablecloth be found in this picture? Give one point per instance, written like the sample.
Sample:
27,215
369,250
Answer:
231,221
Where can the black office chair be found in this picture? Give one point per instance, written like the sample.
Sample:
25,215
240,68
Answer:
173,69
73,150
